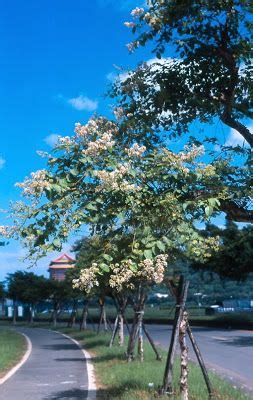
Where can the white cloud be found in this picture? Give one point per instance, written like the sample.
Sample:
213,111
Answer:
236,139
51,140
2,162
83,103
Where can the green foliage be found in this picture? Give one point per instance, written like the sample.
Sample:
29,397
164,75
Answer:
27,287
234,258
208,73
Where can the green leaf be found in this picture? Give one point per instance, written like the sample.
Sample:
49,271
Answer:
148,254
208,211
91,206
107,257
57,243
105,267
160,245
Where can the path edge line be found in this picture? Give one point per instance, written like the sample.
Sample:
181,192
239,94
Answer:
92,388
21,362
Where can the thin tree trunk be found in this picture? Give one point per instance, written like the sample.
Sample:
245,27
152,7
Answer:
31,314
55,314
131,342
72,318
184,357
140,336
137,326
121,329
14,320
83,323
102,317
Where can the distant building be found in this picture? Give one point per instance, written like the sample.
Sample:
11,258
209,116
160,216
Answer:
59,267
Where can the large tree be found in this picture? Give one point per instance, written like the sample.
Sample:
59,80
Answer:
205,76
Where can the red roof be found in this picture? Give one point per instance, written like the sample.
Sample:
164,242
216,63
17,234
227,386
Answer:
63,261
63,258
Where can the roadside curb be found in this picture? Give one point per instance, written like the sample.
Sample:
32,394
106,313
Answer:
92,389
21,362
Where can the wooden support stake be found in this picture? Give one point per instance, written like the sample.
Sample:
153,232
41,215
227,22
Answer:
181,299
116,325
158,356
201,362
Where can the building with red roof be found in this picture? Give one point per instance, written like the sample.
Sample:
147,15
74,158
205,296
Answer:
59,267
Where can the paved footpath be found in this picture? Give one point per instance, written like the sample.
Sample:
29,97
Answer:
56,369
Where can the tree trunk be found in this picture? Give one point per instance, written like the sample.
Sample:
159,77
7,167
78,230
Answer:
121,329
184,357
14,320
72,319
83,323
131,341
140,336
136,329
102,317
31,314
55,314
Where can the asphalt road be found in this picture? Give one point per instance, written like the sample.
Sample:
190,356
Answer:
228,352
56,369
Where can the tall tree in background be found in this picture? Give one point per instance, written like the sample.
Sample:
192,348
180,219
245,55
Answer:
28,288
234,258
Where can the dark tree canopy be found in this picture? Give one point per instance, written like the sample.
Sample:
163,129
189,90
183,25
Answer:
27,287
234,259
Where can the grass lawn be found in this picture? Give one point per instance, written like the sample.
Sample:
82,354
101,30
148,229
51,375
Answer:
119,380
197,315
12,347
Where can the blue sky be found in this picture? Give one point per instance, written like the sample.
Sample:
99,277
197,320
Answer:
56,58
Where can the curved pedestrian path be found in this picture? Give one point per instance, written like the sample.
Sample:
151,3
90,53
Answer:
56,369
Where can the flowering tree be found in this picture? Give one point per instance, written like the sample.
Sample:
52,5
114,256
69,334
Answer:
203,72
114,186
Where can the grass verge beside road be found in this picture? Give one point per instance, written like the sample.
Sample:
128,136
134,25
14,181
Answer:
12,348
119,380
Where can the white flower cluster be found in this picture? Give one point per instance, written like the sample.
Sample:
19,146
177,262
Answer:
35,185
132,46
129,24
118,112
94,127
153,270
114,180
136,150
88,279
105,142
191,152
121,276
81,130
148,271
136,12
3,230
65,141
